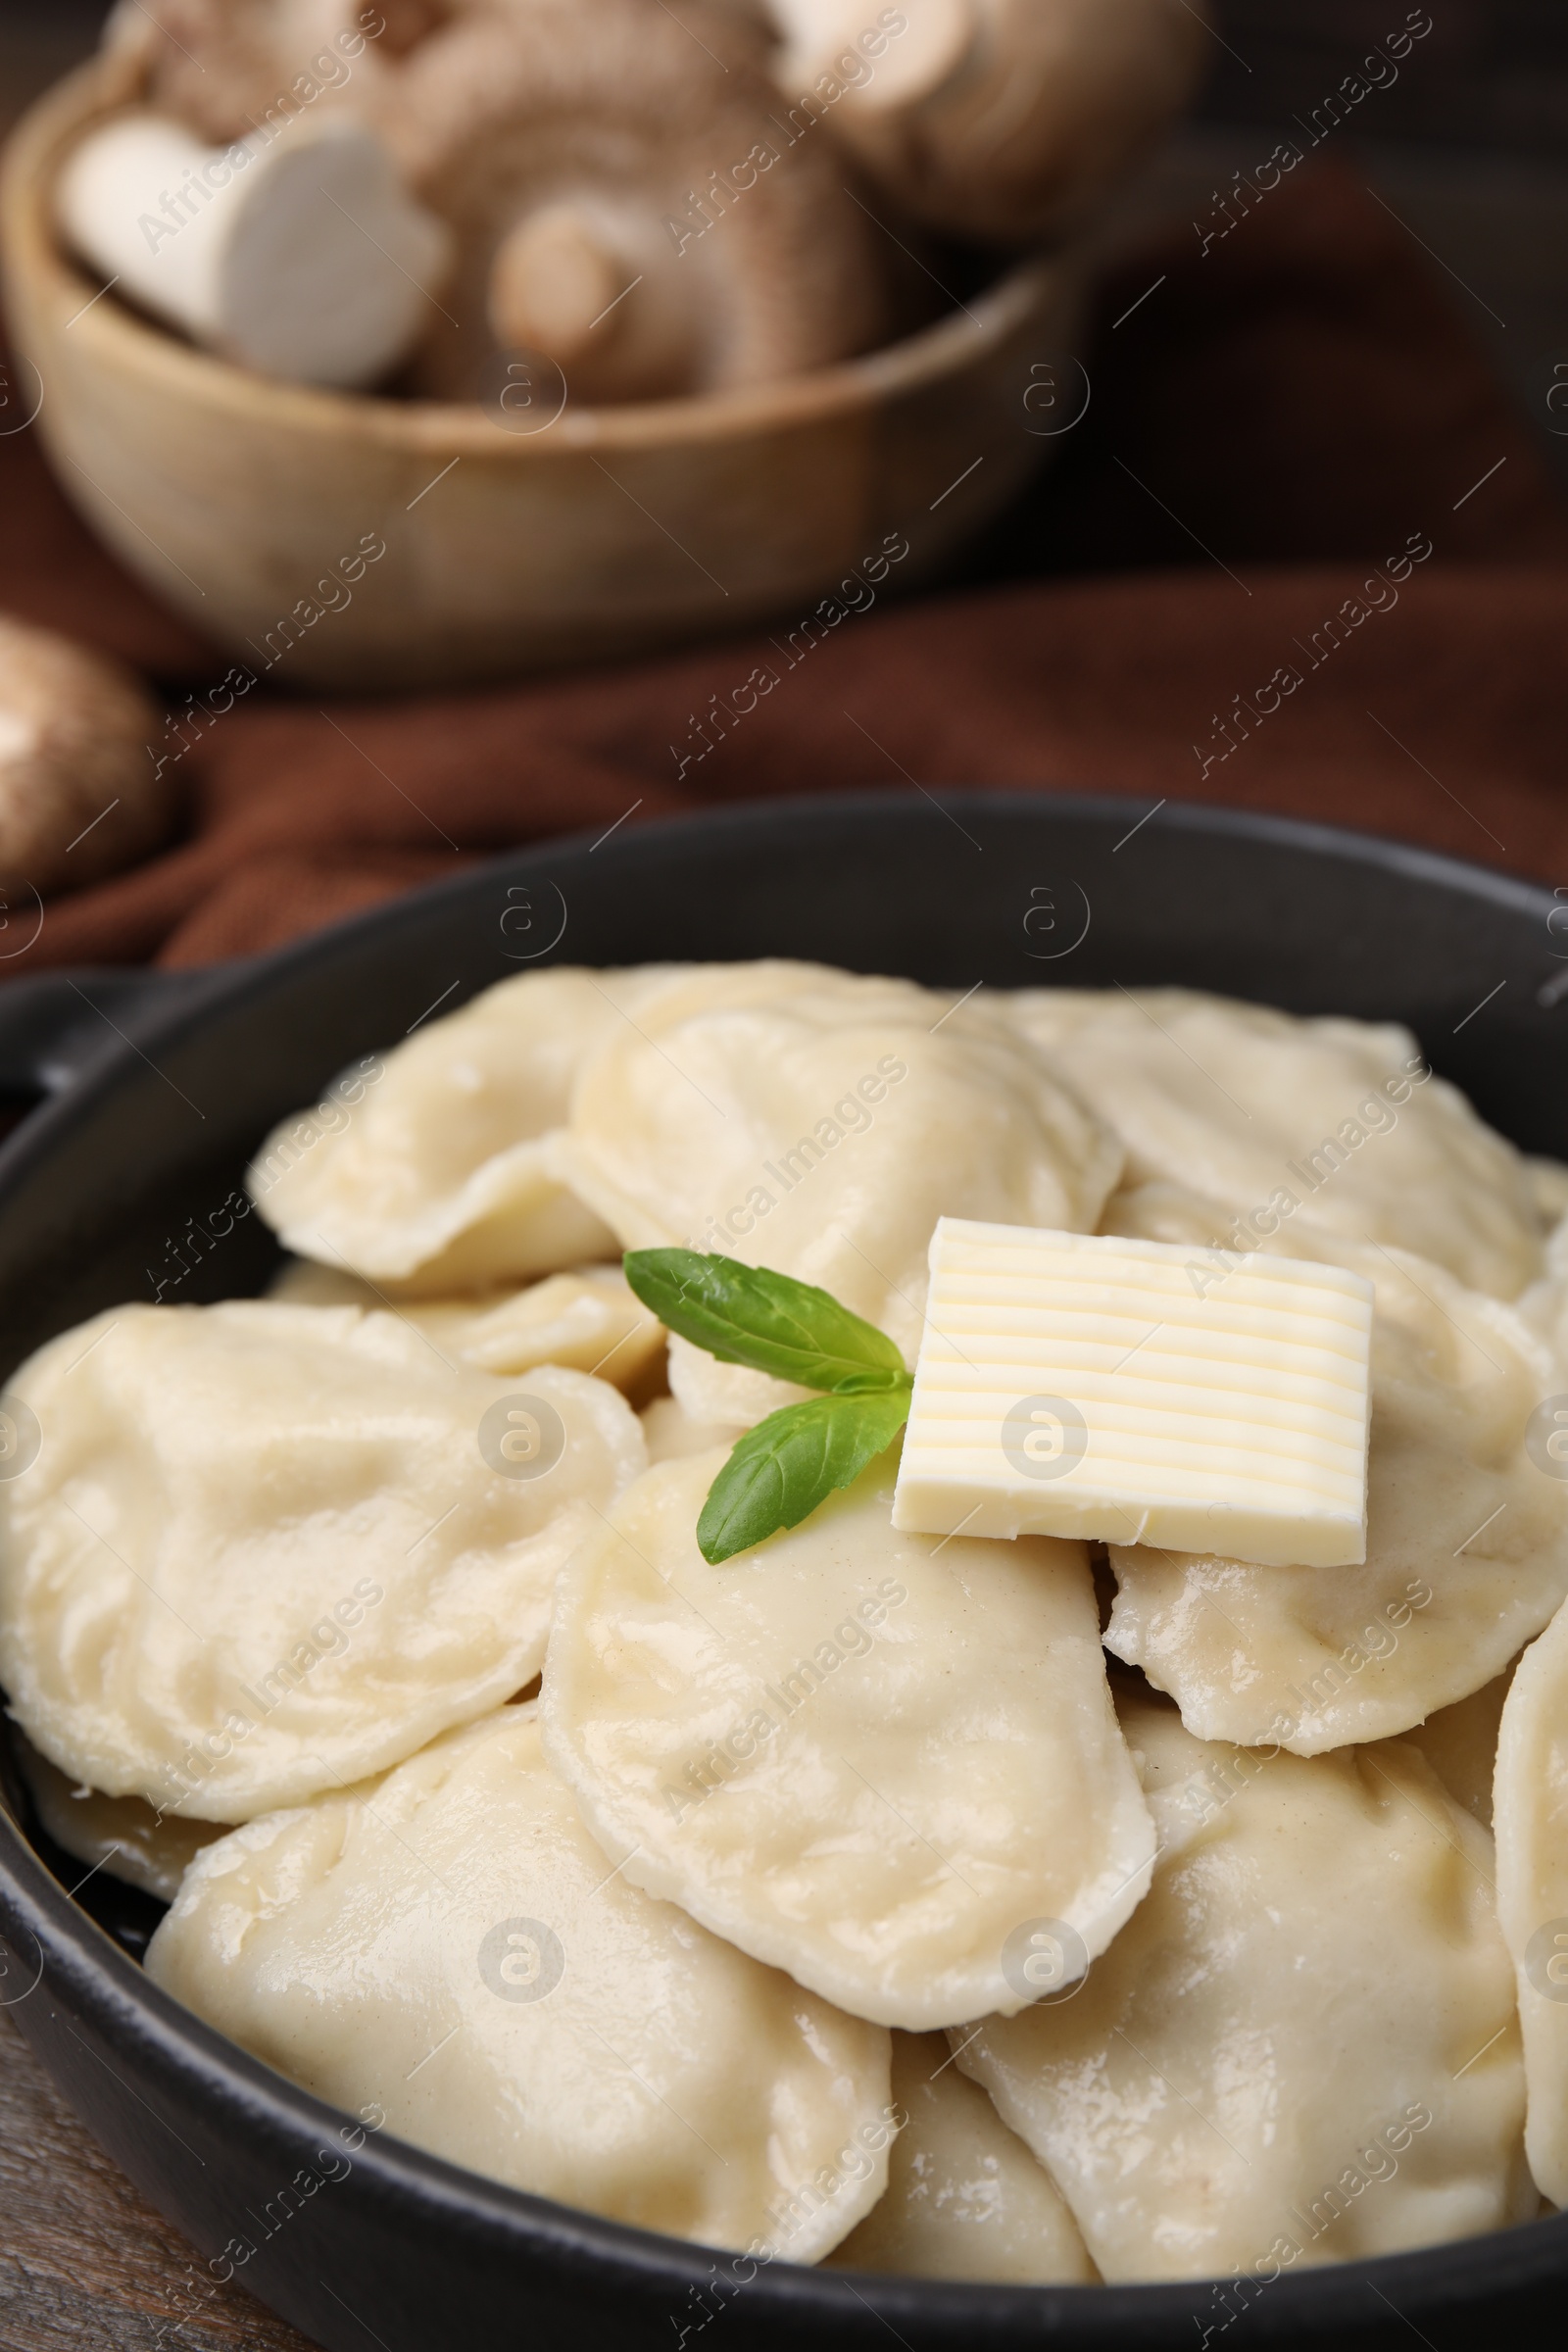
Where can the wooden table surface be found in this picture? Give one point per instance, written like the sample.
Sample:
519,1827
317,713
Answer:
84,2265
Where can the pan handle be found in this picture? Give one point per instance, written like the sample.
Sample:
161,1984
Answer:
54,1024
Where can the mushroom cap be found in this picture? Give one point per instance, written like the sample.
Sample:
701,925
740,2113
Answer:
80,795
220,66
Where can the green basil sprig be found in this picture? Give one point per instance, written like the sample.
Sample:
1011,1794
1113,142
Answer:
781,1470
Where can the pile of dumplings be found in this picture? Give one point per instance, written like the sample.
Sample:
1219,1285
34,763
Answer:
992,1910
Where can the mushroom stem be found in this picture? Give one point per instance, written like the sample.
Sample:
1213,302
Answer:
595,282
300,255
554,281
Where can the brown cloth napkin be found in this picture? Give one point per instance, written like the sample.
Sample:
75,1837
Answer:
1294,430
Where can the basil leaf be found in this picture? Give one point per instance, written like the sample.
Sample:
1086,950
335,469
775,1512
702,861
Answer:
783,1468
751,1316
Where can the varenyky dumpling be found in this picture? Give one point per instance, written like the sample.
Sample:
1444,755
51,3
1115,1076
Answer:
1531,1819
120,1835
820,1123
442,1172
670,1432
1302,2048
1544,1305
1548,1184
966,2199
266,1549
1467,1543
1460,1743
865,1757
447,1942
1327,1122
589,1318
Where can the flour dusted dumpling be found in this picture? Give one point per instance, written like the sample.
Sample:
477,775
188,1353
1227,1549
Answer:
865,1757
820,1123
589,1318
1255,1108
443,1173
966,2199
266,1550
445,1941
1531,1804
1466,1553
120,1835
1302,2048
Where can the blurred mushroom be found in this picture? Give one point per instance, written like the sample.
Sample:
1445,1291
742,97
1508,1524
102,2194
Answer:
628,201
993,118
628,197
226,68
79,792
296,253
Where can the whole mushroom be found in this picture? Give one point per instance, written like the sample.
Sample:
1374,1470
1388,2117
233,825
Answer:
629,202
79,792
1002,120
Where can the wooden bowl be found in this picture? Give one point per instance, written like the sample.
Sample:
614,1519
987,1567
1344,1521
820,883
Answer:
511,542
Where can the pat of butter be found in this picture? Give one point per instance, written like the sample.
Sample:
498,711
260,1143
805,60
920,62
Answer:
1072,1383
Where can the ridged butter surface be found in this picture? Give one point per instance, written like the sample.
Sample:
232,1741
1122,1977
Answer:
1140,1392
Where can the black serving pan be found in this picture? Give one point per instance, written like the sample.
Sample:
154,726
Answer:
163,1087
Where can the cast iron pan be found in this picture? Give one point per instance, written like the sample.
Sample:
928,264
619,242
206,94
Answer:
163,1087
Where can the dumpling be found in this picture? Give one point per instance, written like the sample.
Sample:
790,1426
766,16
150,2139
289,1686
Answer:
670,1432
1544,1305
1548,1182
1531,1798
1327,1122
266,1549
1302,2048
443,1172
815,1120
820,1123
876,1760
448,1942
121,1836
1466,1558
590,1318
725,1399
965,2199
1460,1743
